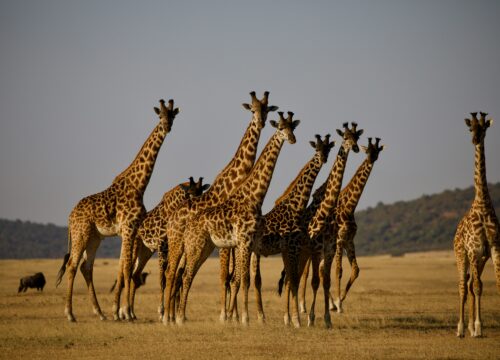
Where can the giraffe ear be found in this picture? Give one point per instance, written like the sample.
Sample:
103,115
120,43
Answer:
489,122
205,187
313,144
295,123
184,187
157,111
273,123
382,147
467,122
247,106
340,133
272,108
176,111
360,132
364,148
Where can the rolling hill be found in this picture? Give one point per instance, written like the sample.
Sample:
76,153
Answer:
424,224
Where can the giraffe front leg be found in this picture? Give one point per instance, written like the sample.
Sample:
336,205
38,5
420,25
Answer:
244,254
338,277
125,273
143,256
462,289
261,317
314,285
476,270
325,275
303,287
224,258
351,256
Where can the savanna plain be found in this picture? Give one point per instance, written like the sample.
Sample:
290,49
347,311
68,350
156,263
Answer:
399,308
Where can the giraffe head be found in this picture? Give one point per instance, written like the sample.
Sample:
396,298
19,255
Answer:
194,189
323,147
478,127
286,126
260,108
350,136
167,113
373,149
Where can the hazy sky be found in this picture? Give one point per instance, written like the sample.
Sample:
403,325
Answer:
79,79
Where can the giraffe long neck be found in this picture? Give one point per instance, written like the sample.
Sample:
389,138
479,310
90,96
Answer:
139,171
298,192
350,195
255,187
236,171
329,202
173,199
482,195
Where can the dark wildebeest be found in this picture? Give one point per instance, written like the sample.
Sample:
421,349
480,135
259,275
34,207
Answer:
34,281
139,282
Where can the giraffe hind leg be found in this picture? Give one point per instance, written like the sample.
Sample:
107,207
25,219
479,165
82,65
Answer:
87,270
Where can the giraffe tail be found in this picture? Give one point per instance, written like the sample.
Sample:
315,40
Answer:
65,261
281,282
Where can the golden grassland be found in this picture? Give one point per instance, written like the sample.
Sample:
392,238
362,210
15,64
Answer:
399,308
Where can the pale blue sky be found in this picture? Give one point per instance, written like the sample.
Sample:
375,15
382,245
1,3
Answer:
79,79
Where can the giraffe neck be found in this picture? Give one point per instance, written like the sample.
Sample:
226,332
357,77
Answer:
332,190
297,194
482,195
236,171
254,189
172,199
139,171
350,195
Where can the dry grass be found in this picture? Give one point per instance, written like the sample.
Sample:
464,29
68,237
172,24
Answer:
400,308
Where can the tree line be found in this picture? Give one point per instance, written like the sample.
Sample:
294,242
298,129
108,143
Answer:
424,224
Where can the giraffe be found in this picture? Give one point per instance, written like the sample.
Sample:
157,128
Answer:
477,236
237,222
346,226
117,210
170,249
153,228
315,243
285,218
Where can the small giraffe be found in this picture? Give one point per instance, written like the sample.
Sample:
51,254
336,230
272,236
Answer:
346,227
226,183
237,222
478,235
153,228
118,210
284,219
315,243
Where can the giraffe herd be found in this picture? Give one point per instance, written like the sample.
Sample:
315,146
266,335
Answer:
193,219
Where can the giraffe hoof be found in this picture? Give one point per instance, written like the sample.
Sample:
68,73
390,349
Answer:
102,317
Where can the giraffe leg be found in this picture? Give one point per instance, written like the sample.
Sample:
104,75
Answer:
495,257
87,269
194,260
325,279
174,256
462,266
338,276
224,258
177,286
245,252
261,317
234,285
286,298
476,271
79,240
303,287
162,265
125,272
351,256
314,285
143,256
472,304
296,265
